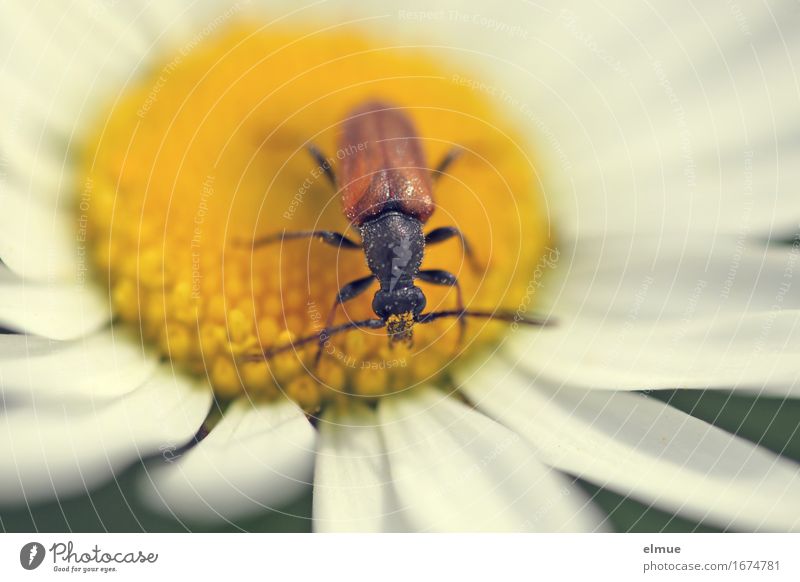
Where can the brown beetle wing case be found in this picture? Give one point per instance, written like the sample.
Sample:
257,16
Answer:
383,166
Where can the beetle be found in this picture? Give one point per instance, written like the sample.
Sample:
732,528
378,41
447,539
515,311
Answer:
386,191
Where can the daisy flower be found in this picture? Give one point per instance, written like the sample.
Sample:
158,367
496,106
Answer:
627,171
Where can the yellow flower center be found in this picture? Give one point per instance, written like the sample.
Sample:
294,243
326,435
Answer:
208,151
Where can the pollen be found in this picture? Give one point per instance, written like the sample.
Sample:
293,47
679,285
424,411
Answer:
399,328
207,152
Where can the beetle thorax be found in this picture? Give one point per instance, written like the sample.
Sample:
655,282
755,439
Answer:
394,246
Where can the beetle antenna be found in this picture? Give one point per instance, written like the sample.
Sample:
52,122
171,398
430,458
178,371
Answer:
507,316
320,337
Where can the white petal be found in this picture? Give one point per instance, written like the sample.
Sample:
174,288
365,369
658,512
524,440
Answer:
652,278
352,485
32,112
457,470
71,67
742,192
46,453
644,448
643,313
756,354
258,457
40,242
56,311
668,118
83,372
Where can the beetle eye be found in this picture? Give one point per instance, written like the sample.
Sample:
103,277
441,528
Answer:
381,304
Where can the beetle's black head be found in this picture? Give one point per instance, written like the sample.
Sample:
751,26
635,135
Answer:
400,309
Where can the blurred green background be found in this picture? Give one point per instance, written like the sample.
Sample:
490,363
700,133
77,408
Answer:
771,422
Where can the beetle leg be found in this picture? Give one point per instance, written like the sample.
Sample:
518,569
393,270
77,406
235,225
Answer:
335,239
323,163
450,157
444,233
446,278
350,291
